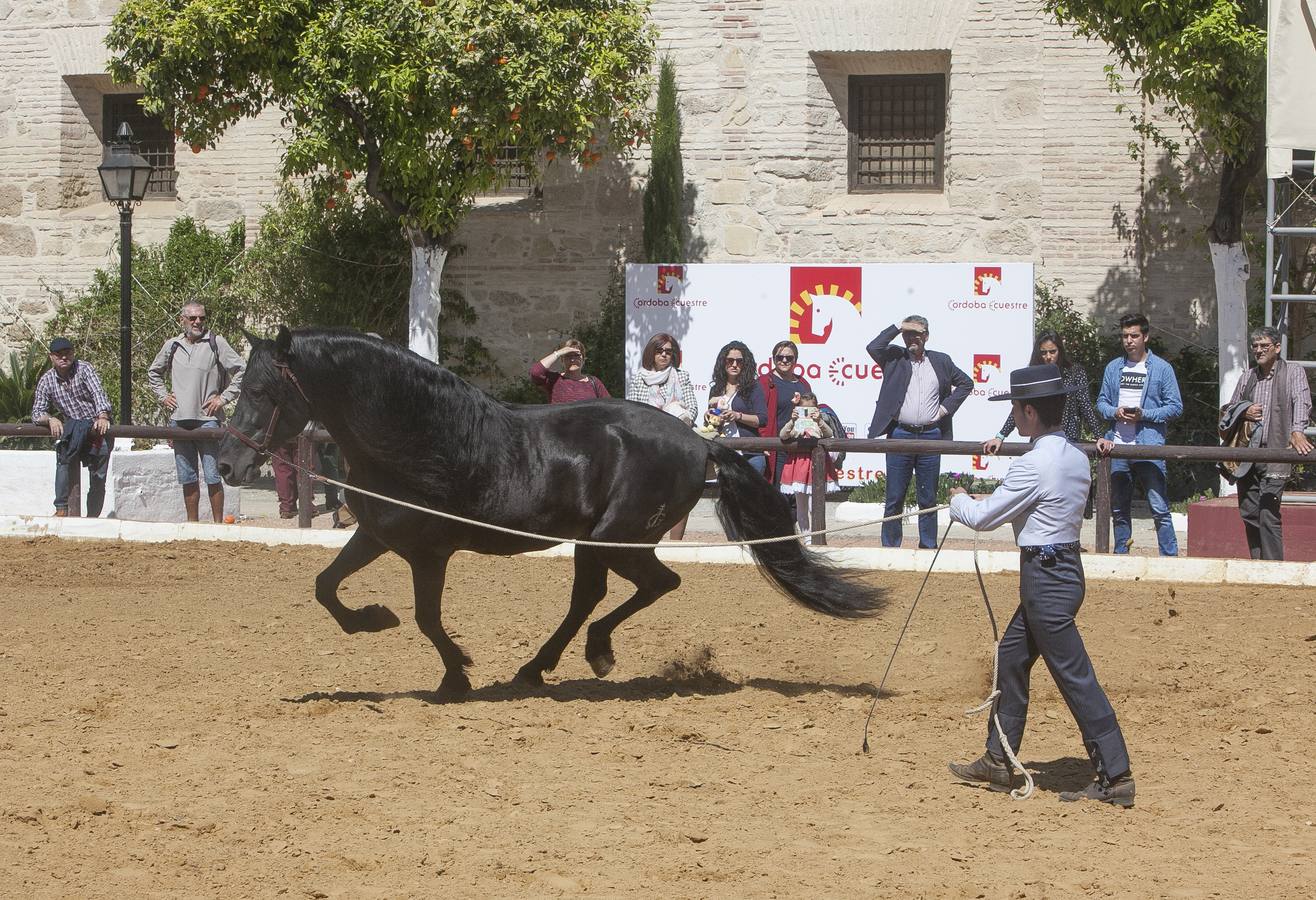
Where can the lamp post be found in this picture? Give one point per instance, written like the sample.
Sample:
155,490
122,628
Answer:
124,175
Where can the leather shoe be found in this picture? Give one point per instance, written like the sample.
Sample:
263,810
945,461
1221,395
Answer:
1116,792
987,770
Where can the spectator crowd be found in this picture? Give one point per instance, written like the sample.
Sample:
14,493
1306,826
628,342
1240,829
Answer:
197,374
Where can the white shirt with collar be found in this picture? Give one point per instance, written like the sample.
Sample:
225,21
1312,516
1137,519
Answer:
1042,496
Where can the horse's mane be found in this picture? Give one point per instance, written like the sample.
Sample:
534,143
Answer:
411,415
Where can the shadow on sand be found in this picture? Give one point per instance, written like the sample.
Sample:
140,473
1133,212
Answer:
648,687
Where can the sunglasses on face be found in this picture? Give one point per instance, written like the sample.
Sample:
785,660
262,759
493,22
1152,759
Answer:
785,359
735,361
570,356
914,334
663,351
195,318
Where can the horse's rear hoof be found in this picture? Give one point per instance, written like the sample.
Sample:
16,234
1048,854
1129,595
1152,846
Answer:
602,663
371,618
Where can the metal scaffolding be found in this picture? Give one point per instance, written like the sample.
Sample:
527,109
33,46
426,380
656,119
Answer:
1283,230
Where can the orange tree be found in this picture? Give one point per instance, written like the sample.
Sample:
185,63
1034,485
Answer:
421,99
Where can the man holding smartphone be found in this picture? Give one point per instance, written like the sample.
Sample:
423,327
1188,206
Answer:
1140,395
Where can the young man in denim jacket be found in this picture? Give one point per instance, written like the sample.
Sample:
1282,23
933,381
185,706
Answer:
1140,395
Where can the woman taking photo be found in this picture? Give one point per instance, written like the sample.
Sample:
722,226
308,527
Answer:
661,382
781,388
737,405
571,383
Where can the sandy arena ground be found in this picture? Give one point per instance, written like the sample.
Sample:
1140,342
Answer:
184,720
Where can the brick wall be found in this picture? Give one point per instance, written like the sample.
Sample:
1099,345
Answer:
1037,167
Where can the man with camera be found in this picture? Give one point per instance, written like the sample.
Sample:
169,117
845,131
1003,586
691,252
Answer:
1140,395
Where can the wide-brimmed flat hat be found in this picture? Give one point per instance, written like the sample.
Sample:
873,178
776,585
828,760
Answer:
1034,382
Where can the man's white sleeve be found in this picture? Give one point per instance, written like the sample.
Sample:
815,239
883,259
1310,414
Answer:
1015,495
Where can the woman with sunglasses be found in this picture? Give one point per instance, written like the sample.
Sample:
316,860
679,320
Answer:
571,383
781,387
661,382
736,403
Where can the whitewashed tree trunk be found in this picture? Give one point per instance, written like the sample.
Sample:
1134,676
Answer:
1231,274
425,304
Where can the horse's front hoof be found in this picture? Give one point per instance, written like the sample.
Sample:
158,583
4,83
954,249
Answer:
530,676
453,688
371,618
602,663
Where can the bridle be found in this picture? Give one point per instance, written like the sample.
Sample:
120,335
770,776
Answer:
264,447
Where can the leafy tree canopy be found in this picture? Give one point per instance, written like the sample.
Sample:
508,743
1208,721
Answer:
419,96
1205,59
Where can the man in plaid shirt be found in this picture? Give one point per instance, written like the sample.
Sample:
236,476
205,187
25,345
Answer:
72,387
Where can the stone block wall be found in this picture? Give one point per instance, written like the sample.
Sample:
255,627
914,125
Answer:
1037,167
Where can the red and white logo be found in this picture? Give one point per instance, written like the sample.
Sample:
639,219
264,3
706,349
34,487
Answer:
979,464
984,279
982,362
830,284
677,273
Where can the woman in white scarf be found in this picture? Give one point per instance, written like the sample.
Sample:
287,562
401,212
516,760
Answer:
660,381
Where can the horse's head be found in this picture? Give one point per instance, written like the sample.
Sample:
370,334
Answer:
271,409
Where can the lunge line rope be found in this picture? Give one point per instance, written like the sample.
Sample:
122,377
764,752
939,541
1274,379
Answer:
993,698
315,476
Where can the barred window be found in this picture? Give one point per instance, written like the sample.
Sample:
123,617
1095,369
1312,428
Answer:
154,141
518,178
897,132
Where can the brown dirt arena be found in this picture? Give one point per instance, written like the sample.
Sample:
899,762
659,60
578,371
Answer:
184,720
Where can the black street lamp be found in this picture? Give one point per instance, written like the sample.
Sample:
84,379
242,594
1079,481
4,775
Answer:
124,175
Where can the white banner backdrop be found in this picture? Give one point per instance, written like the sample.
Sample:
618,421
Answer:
979,313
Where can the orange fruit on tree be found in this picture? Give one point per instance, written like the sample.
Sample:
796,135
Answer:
196,148
330,203
347,174
550,156
202,91
561,139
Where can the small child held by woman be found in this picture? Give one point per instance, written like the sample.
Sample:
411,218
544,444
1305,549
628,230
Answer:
806,421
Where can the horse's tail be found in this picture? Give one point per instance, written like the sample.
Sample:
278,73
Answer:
751,508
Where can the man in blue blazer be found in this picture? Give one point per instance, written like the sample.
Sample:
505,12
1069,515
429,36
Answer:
921,390
1140,394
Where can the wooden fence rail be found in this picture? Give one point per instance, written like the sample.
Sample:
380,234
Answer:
308,438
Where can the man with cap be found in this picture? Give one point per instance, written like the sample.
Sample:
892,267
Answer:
1042,496
72,386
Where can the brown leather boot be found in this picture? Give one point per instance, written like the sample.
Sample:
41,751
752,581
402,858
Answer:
1117,792
61,513
986,769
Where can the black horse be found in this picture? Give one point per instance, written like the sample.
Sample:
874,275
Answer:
605,470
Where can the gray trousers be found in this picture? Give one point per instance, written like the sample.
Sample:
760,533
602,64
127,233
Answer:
1050,594
1258,505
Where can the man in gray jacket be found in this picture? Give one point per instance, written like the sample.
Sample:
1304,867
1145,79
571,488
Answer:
205,374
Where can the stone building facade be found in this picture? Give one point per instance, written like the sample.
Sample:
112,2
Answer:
1033,165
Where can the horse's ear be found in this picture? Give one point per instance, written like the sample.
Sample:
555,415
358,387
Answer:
283,344
251,338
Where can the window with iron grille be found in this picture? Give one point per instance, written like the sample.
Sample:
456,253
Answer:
153,140
897,132
518,178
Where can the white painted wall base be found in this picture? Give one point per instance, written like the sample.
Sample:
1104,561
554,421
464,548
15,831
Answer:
1098,567
142,485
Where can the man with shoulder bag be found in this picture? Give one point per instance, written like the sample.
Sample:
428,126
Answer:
1274,398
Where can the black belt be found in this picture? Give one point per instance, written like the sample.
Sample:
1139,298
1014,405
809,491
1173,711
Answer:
1046,552
918,429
